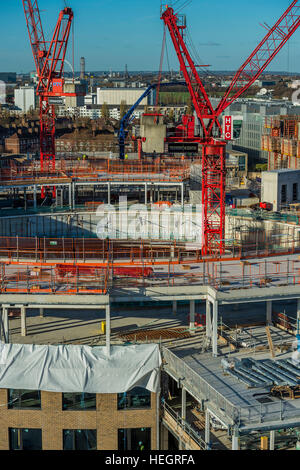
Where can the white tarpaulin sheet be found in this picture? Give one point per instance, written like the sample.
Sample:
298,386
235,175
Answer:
71,369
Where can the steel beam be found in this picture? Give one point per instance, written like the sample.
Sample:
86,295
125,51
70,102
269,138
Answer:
269,312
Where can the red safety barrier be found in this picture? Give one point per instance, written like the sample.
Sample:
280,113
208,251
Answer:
133,272
63,269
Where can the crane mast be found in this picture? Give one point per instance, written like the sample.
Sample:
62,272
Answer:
213,146
49,60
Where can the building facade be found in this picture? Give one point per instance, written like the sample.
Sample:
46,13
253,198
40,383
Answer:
115,96
25,98
32,420
281,188
23,143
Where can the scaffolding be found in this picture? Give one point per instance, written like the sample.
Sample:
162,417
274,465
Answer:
281,141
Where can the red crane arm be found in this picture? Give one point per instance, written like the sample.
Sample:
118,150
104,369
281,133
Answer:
36,33
55,59
196,89
49,59
262,55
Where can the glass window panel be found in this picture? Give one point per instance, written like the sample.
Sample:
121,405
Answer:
136,398
25,439
79,401
14,439
80,439
24,399
134,439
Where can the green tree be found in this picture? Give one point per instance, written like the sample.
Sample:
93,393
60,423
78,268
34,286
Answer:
105,111
123,108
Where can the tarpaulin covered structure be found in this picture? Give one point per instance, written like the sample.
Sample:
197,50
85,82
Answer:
71,369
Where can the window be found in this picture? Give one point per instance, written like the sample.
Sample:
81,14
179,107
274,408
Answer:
283,193
79,401
295,192
24,399
80,439
136,398
134,439
25,439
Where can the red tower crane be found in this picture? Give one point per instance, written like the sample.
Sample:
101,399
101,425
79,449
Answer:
213,146
49,60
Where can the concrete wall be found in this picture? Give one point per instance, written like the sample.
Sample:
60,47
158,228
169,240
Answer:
262,232
84,224
114,96
154,133
157,224
272,182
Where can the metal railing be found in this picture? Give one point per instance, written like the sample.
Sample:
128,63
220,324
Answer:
106,170
199,388
184,425
110,255
51,280
252,415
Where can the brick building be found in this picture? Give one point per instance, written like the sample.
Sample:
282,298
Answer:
64,421
97,400
23,142
100,143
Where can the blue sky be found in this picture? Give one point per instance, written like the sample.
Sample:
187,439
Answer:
112,33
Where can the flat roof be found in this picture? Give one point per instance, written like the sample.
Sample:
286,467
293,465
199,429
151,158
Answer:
286,170
217,383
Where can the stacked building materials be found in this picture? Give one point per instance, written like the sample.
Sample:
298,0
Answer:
282,140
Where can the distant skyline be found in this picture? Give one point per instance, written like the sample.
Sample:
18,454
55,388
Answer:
112,33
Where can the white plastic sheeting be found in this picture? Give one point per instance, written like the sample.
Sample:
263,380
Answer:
71,369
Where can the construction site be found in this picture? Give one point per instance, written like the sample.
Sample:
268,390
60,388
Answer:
140,310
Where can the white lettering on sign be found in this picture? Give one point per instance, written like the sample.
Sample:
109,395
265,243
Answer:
228,128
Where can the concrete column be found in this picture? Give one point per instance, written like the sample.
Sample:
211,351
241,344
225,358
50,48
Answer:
1,324
70,195
269,312
298,309
215,329
5,324
208,319
272,440
108,330
182,194
41,312
25,199
23,321
207,429
73,195
108,193
235,441
174,307
192,316
183,403
34,197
